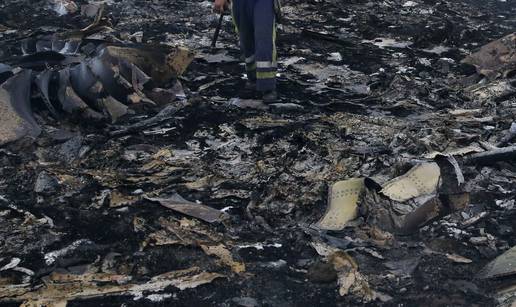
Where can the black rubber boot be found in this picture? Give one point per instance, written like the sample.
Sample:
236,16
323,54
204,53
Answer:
270,97
250,86
248,91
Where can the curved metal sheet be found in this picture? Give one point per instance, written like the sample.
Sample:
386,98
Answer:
84,83
421,180
114,108
71,102
16,120
66,47
343,204
503,265
106,69
5,72
43,45
28,46
41,60
5,68
161,63
42,81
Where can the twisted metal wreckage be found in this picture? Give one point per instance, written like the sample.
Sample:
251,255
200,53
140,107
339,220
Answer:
88,80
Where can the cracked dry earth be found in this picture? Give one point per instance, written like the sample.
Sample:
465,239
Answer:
365,87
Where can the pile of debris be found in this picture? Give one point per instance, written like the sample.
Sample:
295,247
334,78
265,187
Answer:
385,175
84,81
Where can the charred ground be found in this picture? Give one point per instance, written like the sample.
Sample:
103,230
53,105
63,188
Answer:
386,101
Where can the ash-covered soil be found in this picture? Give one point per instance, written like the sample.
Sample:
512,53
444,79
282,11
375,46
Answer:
365,87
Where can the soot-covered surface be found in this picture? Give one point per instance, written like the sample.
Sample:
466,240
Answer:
365,86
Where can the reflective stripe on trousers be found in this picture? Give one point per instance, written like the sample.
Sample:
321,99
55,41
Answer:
256,27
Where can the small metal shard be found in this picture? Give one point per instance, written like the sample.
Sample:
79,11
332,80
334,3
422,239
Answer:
200,211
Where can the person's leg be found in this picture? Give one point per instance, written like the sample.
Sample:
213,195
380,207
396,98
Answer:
265,42
244,24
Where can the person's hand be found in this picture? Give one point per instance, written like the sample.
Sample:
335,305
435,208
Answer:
220,5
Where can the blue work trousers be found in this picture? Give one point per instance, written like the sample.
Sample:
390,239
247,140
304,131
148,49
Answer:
255,22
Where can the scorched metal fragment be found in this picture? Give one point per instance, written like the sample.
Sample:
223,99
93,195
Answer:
16,120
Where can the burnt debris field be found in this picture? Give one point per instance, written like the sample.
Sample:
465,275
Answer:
132,174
